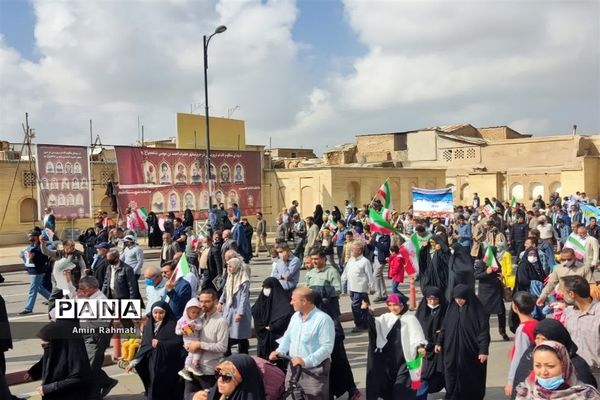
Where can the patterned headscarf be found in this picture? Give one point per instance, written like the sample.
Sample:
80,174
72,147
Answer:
229,369
568,372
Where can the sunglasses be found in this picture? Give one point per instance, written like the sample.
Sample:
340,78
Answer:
225,378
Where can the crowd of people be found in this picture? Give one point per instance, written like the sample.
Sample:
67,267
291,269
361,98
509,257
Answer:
195,335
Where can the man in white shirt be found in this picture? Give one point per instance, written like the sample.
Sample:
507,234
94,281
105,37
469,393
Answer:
358,273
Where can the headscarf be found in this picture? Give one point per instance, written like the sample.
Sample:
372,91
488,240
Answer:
555,331
431,319
243,369
193,302
266,310
536,267
239,274
568,372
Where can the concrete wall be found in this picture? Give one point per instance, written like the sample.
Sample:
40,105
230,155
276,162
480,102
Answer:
225,133
422,146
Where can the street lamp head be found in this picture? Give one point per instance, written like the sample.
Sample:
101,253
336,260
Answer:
221,29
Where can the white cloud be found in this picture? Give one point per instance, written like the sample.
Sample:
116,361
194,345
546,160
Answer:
532,64
113,61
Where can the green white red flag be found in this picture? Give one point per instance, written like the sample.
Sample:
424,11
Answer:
513,202
385,192
577,244
379,224
489,259
140,218
182,269
414,369
408,251
488,210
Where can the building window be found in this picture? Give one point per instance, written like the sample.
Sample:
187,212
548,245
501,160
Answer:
29,179
105,176
471,153
447,155
459,154
294,155
28,211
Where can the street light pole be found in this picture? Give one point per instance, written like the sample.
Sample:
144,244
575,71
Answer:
220,29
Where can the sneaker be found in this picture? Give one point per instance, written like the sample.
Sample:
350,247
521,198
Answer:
25,312
185,375
195,370
106,389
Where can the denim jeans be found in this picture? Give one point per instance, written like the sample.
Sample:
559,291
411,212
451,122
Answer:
360,315
36,287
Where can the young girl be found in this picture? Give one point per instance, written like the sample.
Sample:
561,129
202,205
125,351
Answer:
189,326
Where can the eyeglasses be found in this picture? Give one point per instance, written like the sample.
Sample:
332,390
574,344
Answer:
225,378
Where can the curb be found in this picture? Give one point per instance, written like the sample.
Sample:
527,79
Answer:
17,377
19,267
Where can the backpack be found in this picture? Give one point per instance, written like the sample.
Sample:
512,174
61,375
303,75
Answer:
273,378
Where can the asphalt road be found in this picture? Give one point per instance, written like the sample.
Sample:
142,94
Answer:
27,349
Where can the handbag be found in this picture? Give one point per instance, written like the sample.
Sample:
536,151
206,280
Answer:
507,293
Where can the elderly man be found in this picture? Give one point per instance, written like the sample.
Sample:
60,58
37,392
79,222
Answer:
155,286
100,264
568,267
120,282
286,268
169,248
309,341
590,259
312,234
96,342
358,273
228,244
133,255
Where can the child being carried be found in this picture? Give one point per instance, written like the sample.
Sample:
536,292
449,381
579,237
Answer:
189,326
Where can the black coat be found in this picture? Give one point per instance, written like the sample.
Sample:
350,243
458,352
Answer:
154,232
527,272
64,368
465,335
5,336
490,288
274,312
100,268
434,266
158,367
460,269
431,321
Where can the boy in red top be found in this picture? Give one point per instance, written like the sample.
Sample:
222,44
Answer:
523,305
396,269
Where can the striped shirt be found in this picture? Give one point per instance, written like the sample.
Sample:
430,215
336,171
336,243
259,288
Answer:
585,332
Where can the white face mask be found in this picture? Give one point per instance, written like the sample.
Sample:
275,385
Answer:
433,306
532,259
267,291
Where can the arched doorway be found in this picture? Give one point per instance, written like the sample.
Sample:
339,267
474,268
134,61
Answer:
307,202
28,210
353,193
537,189
556,187
516,191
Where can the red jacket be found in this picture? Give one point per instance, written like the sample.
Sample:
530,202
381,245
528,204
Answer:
396,271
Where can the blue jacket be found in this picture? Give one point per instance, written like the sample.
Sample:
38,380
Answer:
179,296
382,248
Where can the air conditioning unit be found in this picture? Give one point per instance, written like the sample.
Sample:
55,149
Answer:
10,155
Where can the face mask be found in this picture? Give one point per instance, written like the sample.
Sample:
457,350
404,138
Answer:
433,306
149,282
532,259
551,383
267,291
569,263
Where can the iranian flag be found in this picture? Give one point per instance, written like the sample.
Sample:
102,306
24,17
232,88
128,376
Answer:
489,259
379,224
419,242
577,244
488,210
513,202
182,269
140,218
409,252
414,369
385,192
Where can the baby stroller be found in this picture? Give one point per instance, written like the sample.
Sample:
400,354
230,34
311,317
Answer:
294,389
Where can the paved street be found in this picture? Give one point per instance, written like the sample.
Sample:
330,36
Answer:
27,350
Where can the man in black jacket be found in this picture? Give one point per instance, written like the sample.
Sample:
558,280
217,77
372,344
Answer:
518,235
119,282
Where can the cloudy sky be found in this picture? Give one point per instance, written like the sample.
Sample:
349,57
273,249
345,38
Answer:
306,73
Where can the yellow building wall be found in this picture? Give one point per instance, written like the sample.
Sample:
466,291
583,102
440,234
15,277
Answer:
331,186
225,133
591,172
17,219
